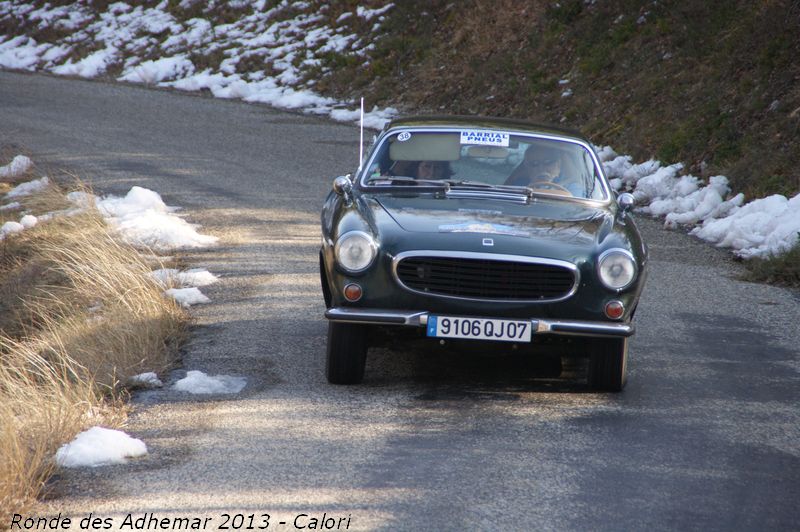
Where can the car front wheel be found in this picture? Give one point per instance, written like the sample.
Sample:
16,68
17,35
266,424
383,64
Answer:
608,364
346,354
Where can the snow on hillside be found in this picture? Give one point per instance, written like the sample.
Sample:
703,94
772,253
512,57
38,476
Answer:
761,228
165,45
265,54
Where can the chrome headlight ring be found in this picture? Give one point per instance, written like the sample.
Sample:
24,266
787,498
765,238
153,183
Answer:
355,251
617,269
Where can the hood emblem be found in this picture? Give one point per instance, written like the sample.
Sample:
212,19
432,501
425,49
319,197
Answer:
488,242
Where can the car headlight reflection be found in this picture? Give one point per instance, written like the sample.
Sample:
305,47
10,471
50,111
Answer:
355,251
617,269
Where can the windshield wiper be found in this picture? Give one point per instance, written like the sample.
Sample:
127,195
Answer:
500,188
406,180
472,184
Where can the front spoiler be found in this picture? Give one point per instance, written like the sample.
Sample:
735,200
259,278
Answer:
420,319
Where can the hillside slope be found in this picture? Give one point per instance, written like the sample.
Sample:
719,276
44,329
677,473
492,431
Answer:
713,84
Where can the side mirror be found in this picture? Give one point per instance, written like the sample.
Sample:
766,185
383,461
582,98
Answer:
343,187
626,201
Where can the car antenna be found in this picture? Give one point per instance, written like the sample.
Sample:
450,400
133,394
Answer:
361,138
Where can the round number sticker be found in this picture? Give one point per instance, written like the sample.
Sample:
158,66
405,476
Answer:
404,136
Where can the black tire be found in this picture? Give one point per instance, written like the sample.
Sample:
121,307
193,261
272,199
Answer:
346,353
608,364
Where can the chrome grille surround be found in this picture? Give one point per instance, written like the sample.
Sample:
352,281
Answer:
473,259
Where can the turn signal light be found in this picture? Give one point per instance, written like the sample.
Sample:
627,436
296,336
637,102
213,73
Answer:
615,309
352,292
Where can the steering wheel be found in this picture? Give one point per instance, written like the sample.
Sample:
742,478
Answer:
549,185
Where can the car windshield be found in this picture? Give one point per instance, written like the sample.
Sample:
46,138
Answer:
485,159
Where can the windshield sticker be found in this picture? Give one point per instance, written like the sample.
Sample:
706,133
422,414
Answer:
491,229
403,136
484,138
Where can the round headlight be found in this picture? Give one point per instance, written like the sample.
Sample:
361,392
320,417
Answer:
355,251
617,269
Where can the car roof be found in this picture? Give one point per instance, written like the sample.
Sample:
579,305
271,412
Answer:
484,122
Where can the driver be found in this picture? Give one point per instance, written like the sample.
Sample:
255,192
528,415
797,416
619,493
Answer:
422,169
540,167
434,170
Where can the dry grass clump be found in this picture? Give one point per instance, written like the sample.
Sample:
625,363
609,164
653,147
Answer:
43,402
783,269
79,314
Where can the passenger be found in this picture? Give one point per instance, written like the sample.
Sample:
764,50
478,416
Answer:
422,169
433,170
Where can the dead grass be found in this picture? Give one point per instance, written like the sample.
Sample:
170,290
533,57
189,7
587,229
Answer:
43,402
780,269
79,314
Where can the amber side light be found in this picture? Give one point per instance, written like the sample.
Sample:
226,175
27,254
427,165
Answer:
614,309
352,292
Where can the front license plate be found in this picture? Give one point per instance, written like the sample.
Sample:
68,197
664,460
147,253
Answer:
479,329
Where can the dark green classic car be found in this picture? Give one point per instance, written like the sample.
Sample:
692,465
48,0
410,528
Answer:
466,229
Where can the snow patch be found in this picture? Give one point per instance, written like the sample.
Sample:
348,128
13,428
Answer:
764,227
761,228
145,380
171,277
28,188
18,166
198,382
9,228
155,71
28,221
99,446
187,296
144,220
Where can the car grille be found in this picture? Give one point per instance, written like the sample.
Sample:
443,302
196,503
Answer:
476,278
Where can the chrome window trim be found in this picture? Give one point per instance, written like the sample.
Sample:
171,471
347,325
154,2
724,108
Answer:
576,273
361,181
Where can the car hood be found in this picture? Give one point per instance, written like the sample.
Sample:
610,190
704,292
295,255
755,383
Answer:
559,220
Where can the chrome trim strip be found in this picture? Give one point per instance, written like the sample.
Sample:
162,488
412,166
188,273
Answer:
377,316
412,318
576,273
588,328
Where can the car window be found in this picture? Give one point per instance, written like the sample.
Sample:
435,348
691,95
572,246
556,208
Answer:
548,166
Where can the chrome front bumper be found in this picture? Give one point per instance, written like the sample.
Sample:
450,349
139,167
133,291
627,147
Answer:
420,319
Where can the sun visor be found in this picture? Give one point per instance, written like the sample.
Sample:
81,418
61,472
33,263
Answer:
426,147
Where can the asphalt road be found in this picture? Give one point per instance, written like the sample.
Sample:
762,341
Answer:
705,436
